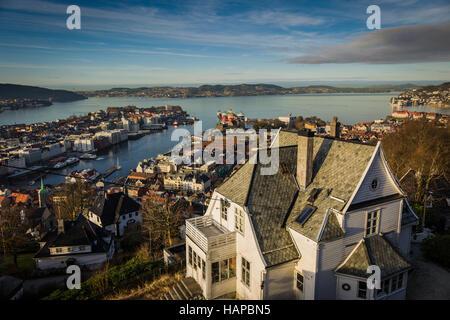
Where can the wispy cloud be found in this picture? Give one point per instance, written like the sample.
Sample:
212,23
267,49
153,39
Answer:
282,19
406,44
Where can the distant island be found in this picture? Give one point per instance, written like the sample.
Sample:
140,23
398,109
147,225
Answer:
16,96
429,95
236,90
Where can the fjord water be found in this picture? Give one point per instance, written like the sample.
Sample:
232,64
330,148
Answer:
349,108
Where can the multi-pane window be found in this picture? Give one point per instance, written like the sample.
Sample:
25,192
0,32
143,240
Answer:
362,289
239,221
246,272
385,286
203,269
189,255
215,273
372,222
391,284
224,209
400,281
195,260
300,281
223,270
394,284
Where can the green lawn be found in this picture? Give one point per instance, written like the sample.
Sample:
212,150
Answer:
25,262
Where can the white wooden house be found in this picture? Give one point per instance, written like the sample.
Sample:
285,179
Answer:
79,242
116,212
308,232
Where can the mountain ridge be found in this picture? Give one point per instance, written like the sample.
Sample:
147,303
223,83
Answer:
16,91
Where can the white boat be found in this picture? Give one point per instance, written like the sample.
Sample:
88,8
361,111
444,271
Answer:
100,158
88,156
71,161
59,165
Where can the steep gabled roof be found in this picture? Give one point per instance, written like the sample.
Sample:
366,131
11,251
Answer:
374,250
331,229
269,200
275,202
237,186
357,262
338,166
113,206
77,233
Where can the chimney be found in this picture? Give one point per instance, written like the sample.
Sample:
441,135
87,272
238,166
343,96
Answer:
60,226
334,128
305,145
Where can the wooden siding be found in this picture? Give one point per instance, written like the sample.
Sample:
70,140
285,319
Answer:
331,254
307,265
386,186
279,283
355,221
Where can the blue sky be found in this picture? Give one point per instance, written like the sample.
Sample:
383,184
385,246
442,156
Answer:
133,43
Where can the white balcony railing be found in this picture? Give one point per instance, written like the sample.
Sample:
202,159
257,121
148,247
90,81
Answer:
208,234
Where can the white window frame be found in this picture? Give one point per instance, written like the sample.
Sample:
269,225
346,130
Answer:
245,272
387,282
359,290
230,273
297,273
239,221
189,255
223,209
376,220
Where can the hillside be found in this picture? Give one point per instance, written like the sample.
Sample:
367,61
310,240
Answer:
14,91
235,90
437,95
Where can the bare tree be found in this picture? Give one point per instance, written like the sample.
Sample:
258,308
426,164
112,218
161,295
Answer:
422,146
161,221
73,199
12,231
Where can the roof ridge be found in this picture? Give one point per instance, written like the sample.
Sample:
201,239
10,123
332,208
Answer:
250,185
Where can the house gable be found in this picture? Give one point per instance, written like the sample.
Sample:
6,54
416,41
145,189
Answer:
377,183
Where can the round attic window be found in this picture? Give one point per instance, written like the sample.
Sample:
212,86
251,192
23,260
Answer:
345,287
374,184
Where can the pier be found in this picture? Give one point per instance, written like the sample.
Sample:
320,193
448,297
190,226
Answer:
109,172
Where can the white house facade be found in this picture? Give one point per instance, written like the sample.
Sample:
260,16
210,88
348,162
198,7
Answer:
115,213
310,231
80,242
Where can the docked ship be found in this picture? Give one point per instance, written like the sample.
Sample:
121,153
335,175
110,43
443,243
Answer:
229,120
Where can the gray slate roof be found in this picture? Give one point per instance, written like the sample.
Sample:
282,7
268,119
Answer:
332,228
374,250
80,232
337,168
275,202
112,207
